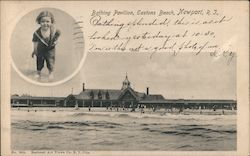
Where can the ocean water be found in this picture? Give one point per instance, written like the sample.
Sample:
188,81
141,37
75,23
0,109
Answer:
69,129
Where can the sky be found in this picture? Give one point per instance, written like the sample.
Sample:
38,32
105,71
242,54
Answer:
183,76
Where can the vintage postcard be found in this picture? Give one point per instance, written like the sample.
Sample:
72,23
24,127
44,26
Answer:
125,78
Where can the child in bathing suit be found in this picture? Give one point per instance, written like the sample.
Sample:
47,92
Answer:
45,39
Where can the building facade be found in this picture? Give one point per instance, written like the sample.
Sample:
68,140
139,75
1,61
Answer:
126,97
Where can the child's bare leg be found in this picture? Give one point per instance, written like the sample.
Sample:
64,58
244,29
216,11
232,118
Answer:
50,60
40,64
38,74
51,75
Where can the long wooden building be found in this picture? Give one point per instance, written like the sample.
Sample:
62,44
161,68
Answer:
126,97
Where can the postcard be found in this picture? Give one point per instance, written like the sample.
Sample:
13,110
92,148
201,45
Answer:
125,78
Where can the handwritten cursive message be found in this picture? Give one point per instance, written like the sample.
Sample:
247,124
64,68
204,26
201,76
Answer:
175,31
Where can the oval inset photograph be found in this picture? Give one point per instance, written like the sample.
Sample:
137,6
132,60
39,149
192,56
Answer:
47,46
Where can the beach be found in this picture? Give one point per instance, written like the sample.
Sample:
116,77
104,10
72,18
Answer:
101,129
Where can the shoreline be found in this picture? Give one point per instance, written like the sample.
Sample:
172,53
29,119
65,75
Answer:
122,111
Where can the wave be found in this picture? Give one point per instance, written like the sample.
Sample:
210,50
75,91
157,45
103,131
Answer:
55,127
36,129
71,123
194,131
184,146
89,114
230,131
105,124
145,129
104,143
107,114
117,115
122,115
166,132
36,126
173,132
156,115
62,115
88,129
209,130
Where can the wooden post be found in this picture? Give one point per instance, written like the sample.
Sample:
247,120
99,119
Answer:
76,103
65,104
